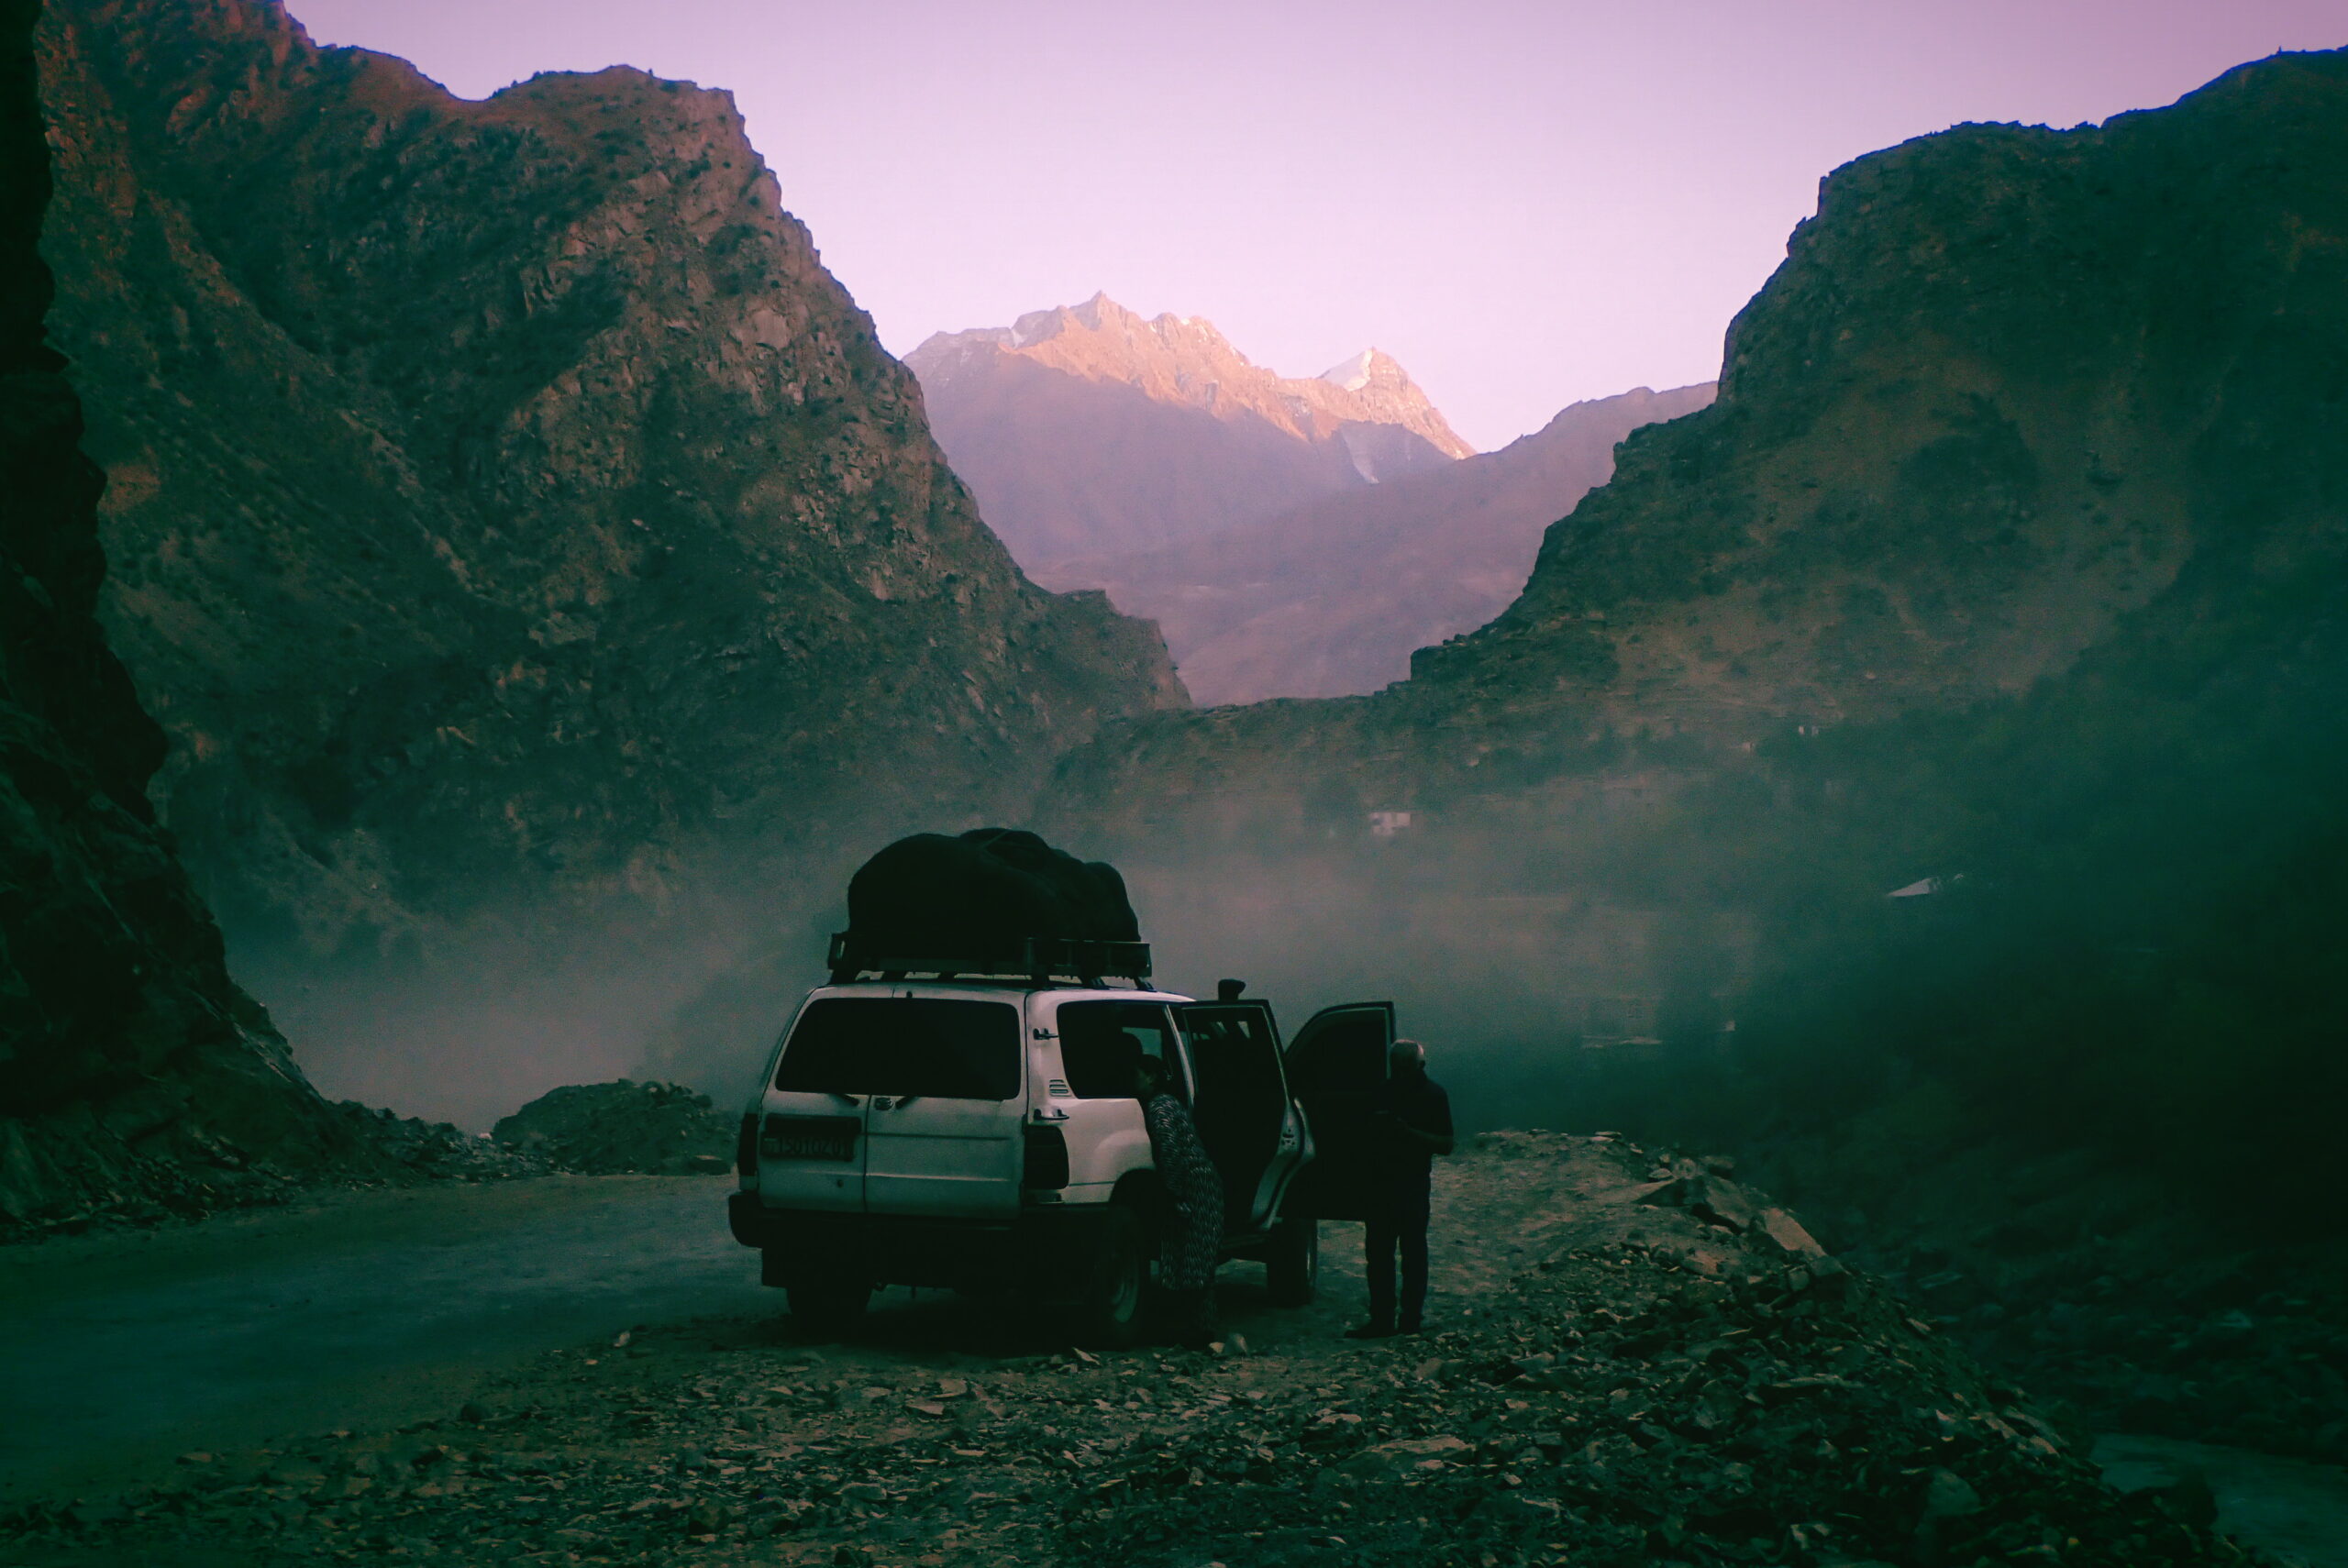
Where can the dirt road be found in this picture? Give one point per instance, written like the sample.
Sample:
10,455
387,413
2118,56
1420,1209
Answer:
378,1309
1608,1382
368,1308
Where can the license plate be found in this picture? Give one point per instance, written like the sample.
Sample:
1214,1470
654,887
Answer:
809,1138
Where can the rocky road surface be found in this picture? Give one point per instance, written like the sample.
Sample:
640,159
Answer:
1631,1363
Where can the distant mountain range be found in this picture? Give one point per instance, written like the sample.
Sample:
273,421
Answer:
1088,429
1331,598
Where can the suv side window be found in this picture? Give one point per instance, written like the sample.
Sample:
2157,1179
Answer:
1098,1040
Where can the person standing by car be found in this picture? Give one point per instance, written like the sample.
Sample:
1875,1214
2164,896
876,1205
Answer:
1191,1246
1410,1124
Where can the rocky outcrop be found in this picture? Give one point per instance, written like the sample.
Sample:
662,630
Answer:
1331,599
132,1073
511,516
1087,429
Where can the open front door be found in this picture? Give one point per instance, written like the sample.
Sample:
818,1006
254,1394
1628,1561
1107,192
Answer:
1250,1129
1335,1063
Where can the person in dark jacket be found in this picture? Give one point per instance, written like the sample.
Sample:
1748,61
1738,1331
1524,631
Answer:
1410,1124
1192,1247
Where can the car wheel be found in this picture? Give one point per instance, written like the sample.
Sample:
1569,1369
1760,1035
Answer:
1108,1312
1292,1262
831,1306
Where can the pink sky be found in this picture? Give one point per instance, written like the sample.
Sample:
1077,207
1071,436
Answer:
1527,201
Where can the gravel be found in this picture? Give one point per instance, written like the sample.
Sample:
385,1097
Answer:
1624,1376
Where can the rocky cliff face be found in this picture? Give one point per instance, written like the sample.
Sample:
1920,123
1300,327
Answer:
1088,429
510,513
2010,387
131,1068
1331,599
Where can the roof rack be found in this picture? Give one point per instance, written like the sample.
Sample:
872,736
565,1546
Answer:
1041,959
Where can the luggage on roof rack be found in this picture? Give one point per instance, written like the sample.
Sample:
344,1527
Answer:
993,901
1041,959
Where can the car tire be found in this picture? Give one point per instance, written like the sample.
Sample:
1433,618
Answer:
1292,1262
1109,1311
831,1306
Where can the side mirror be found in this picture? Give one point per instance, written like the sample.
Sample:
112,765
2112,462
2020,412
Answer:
1228,990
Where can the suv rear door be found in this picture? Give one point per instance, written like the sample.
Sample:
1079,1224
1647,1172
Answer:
933,1088
1251,1128
1335,1063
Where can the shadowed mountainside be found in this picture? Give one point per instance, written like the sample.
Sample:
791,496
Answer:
1332,599
512,518
128,1063
2009,387
1087,429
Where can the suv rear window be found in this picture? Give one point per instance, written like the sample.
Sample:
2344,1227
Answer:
929,1047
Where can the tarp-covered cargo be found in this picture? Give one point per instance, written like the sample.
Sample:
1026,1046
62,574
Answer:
991,897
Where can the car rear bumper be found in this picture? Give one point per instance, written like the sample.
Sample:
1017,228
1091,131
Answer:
1038,1247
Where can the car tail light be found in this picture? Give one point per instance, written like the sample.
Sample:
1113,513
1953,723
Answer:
745,1152
1046,1166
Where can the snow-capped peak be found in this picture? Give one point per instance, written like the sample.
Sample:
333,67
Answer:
1352,374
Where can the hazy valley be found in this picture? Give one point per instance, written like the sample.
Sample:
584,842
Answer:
520,588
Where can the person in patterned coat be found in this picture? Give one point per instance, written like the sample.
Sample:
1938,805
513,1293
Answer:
1191,1246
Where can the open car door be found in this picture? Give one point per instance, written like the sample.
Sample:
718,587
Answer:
1335,1063
1250,1127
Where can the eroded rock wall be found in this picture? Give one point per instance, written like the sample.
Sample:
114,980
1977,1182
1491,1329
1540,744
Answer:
131,1070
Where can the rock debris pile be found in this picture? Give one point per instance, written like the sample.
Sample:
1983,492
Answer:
1620,1384
437,1151
618,1128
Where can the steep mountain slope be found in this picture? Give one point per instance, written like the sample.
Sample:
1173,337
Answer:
1087,429
511,514
2011,385
2023,408
128,1063
1331,599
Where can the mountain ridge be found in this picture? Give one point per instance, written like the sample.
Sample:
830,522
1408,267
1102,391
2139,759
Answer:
1087,427
1331,599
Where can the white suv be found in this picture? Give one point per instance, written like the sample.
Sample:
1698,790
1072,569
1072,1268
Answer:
982,1134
